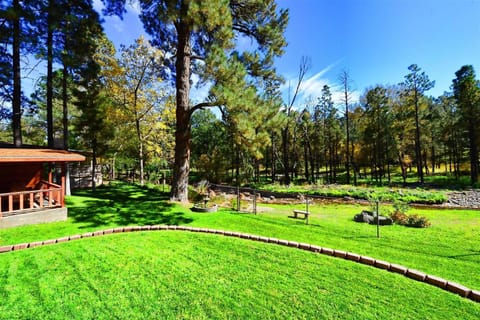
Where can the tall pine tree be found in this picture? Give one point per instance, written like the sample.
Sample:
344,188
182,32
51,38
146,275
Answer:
200,37
467,94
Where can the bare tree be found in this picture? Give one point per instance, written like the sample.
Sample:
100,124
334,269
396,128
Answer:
305,65
346,83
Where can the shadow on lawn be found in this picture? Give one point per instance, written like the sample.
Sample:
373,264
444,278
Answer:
475,253
124,204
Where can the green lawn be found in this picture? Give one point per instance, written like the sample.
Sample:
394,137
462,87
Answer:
173,274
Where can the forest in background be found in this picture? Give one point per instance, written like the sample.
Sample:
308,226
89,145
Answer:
120,107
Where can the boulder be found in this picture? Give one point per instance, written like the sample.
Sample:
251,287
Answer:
384,221
368,217
364,216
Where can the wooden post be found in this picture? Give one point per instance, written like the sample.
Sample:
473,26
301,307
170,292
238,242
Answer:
308,213
10,202
50,175
41,199
378,221
50,197
62,192
238,198
254,201
31,200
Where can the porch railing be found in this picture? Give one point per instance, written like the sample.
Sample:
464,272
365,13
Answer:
49,195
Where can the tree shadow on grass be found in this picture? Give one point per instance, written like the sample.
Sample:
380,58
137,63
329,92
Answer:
124,204
474,253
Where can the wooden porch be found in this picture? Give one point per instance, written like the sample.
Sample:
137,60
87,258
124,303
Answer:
30,192
49,195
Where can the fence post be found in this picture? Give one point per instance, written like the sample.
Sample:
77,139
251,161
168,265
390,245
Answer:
378,220
238,198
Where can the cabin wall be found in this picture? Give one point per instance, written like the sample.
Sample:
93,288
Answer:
19,176
81,176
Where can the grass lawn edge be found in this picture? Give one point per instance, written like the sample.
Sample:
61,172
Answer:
413,274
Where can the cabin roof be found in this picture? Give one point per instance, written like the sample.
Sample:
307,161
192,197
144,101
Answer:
38,155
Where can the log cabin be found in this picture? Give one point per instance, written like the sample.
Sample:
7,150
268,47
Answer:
28,192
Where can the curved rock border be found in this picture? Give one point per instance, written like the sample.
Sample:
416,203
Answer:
213,208
450,286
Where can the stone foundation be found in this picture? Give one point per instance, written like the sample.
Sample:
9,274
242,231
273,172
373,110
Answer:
34,217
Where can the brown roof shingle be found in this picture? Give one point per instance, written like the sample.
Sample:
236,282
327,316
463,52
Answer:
38,155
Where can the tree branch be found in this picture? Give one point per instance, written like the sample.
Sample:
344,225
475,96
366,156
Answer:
195,57
204,105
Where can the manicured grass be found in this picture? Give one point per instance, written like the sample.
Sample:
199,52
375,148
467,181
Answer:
318,285
172,274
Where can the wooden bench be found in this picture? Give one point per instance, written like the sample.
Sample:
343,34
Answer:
305,214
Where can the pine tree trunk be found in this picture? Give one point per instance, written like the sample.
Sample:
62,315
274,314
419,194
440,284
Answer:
65,125
433,157
286,165
17,88
94,163
347,120
181,167
312,163
50,76
473,152
274,173
418,148
305,155
353,164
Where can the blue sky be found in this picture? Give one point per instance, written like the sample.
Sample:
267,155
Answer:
374,40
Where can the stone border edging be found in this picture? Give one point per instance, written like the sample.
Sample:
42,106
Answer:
450,286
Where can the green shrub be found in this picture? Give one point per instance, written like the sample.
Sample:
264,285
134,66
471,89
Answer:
413,220
417,221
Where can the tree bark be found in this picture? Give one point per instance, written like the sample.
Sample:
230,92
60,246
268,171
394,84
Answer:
140,149
305,159
274,173
286,165
472,133
433,157
181,166
94,163
50,76
65,125
418,147
17,88
347,121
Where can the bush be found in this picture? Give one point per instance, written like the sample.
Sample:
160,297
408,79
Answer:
399,218
413,220
417,221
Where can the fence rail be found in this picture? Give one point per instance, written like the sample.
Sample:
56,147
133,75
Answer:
49,195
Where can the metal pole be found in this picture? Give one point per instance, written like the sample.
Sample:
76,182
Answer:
254,201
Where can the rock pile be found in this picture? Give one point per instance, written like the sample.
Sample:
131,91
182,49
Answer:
465,199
